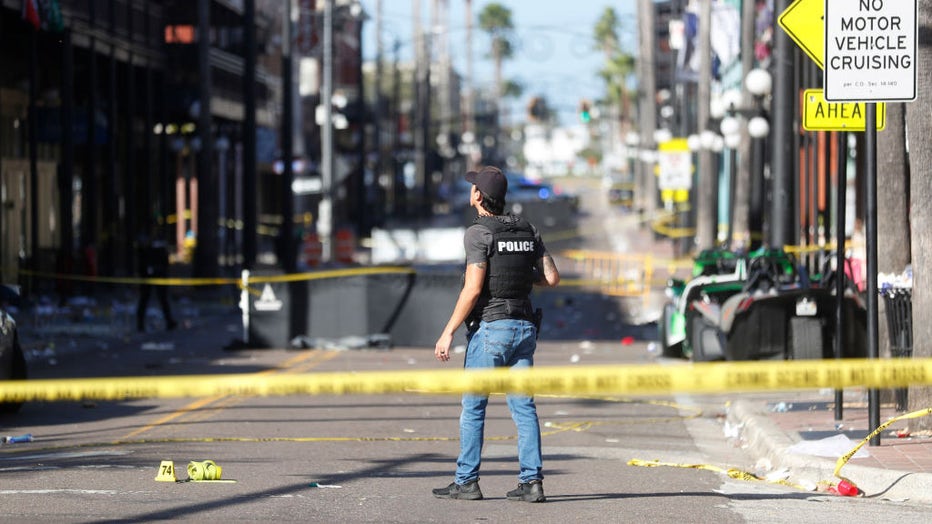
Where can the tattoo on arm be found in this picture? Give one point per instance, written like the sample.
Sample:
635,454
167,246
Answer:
481,265
546,272
550,270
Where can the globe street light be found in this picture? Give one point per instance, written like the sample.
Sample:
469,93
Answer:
759,83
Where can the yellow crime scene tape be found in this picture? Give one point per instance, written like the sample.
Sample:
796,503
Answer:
709,377
631,379
637,379
204,470
847,456
734,473
253,279
844,486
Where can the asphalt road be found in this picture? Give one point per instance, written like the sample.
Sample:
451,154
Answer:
375,458
98,461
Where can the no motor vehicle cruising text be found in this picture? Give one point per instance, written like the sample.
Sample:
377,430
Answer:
870,50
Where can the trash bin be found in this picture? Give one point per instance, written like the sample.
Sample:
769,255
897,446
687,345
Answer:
899,307
277,310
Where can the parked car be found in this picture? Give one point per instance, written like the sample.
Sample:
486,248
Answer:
524,190
12,359
761,306
620,189
521,191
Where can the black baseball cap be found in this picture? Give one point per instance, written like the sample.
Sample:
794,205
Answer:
490,181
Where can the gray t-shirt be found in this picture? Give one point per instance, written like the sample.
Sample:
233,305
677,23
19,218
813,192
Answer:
478,244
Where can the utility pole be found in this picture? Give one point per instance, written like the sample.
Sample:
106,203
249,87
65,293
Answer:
441,16
250,201
707,194
206,252
325,208
399,195
286,232
741,212
379,109
647,106
417,128
469,127
783,159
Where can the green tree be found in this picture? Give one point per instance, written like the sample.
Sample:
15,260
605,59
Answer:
619,65
538,109
495,20
512,89
893,205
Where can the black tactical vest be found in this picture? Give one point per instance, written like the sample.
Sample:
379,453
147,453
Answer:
511,261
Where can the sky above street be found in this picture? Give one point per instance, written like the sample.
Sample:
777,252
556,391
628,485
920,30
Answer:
554,56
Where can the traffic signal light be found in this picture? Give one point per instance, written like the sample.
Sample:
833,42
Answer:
585,114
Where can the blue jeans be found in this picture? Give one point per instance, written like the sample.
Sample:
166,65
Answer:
500,343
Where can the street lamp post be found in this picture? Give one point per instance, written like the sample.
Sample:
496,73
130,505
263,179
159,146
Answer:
758,82
287,248
731,131
783,107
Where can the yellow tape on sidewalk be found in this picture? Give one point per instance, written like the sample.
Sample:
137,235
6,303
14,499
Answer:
634,379
842,460
734,473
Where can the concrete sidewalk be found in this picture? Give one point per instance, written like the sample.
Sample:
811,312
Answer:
796,432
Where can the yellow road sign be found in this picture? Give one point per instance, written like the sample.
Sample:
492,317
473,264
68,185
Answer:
804,22
674,165
821,115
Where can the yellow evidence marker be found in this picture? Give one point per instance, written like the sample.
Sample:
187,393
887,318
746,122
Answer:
166,472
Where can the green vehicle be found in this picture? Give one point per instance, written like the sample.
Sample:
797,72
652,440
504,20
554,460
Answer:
754,307
716,275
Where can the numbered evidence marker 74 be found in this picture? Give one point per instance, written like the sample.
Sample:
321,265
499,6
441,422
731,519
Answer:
870,50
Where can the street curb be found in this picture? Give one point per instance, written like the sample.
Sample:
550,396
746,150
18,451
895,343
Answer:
767,440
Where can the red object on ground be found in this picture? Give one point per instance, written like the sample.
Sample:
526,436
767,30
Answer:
847,489
627,341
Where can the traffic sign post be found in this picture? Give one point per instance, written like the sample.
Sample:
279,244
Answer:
868,56
870,50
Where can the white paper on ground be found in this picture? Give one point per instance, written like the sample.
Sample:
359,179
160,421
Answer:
834,447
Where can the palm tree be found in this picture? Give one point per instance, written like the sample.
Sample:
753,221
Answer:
495,19
920,215
619,65
513,90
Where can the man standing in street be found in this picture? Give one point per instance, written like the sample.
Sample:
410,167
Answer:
505,257
153,263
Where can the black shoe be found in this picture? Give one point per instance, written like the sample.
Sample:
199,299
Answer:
467,491
532,491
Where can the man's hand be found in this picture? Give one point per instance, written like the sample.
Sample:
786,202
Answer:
472,287
442,348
